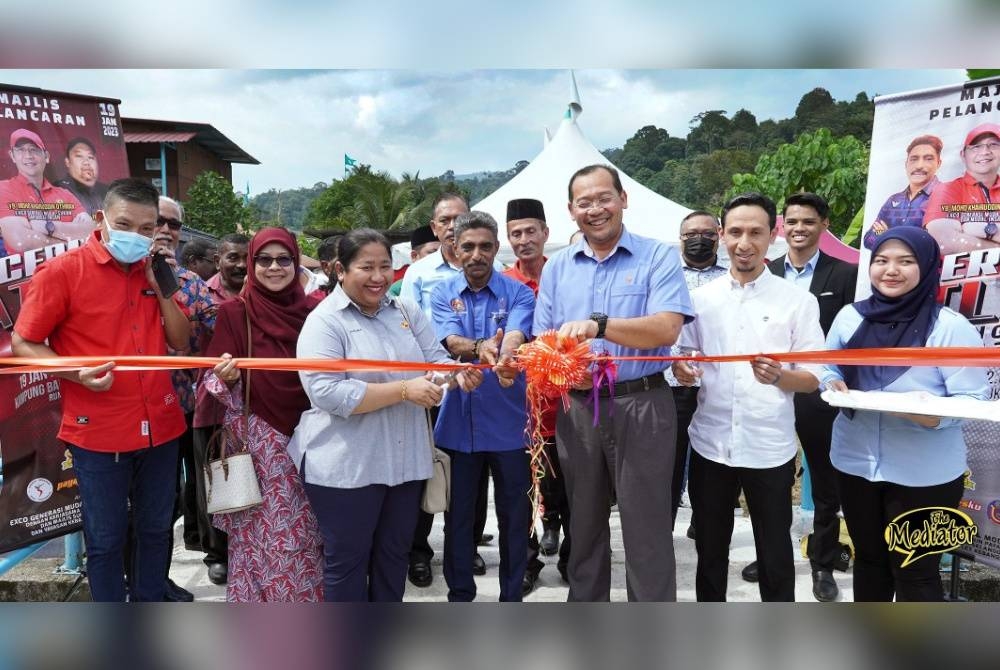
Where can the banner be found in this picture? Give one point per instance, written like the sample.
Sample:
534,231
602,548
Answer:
935,155
59,152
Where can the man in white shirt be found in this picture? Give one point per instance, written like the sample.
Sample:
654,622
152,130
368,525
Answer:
743,432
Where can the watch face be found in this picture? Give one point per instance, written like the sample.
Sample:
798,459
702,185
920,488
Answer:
990,228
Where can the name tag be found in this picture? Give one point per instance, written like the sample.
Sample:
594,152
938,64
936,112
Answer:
144,428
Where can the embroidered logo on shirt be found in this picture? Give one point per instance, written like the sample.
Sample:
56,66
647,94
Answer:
82,420
149,291
457,306
169,399
629,280
404,324
144,428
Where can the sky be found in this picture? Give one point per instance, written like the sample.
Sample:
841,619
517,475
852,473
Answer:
299,123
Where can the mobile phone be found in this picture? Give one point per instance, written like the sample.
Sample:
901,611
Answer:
166,280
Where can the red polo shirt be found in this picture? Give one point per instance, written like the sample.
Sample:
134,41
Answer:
964,190
549,414
87,305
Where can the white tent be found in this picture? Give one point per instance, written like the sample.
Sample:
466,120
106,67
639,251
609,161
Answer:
547,176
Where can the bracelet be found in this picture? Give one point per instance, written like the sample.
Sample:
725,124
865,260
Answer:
475,347
778,378
402,389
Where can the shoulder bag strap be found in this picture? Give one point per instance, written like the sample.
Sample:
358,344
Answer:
246,382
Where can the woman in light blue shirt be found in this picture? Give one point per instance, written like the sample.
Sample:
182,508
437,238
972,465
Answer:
889,463
364,447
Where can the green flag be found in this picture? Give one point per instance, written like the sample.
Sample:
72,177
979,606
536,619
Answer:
349,162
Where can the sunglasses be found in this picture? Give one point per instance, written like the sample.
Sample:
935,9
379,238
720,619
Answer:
265,262
172,224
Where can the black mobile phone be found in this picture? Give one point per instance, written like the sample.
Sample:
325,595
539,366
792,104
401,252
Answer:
164,275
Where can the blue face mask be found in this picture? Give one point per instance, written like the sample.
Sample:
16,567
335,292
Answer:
127,247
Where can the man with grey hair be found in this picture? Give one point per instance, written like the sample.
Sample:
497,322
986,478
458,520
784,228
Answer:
483,316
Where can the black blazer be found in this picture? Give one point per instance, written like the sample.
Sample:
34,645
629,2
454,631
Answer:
832,283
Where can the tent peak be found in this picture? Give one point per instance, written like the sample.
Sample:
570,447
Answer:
574,108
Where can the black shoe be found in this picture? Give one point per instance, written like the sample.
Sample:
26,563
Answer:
218,573
478,565
484,540
175,594
750,573
550,542
690,532
529,582
824,587
420,574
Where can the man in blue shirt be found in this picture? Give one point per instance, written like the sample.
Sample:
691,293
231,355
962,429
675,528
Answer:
483,316
628,294
906,208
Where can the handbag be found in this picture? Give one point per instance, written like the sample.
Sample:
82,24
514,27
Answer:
437,489
230,480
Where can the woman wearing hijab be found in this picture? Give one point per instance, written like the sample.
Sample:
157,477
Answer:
275,551
891,463
364,448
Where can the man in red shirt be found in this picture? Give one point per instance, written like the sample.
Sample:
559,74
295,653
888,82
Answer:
963,214
121,427
33,212
527,233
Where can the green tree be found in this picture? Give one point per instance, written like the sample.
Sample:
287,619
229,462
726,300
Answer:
213,207
835,168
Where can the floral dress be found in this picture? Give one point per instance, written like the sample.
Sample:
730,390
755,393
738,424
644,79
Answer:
275,549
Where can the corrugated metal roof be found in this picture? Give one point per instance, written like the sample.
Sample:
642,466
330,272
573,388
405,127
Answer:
158,137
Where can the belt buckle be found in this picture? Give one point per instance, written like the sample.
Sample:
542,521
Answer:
645,383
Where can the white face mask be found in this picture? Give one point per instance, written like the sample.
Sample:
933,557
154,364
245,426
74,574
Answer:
125,246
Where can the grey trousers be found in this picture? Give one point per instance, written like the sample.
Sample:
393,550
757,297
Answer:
630,453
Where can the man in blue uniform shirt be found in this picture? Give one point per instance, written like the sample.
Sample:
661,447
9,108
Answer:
483,316
627,293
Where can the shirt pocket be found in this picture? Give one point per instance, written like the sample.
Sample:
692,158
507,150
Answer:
627,301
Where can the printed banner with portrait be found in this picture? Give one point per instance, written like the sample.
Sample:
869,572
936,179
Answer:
935,156
59,153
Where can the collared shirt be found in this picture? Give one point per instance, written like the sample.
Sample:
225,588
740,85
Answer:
882,447
422,276
964,199
195,299
693,277
218,290
388,446
87,305
739,421
801,278
640,276
19,197
900,210
514,272
491,418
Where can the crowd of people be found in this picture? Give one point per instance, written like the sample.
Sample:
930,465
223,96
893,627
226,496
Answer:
341,457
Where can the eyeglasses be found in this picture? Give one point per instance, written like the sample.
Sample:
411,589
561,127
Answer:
603,201
706,235
30,150
980,148
264,262
172,224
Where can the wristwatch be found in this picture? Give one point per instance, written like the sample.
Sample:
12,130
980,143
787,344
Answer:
990,229
602,323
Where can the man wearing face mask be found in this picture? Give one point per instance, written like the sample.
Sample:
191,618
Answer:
699,235
102,299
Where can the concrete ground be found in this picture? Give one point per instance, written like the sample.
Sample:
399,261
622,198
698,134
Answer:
189,571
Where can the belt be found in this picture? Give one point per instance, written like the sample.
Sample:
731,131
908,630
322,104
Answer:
646,383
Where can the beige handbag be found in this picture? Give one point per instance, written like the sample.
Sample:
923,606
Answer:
437,489
230,480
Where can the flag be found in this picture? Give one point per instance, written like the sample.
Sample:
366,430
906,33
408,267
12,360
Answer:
349,162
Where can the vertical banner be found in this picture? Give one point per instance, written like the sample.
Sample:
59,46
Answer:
58,152
934,161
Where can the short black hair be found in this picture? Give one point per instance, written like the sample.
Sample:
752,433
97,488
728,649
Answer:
447,195
616,178
350,244
134,190
234,238
752,200
80,140
700,212
806,199
196,249
327,249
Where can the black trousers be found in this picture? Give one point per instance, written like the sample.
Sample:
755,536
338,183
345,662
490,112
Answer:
868,509
685,402
421,550
214,542
814,425
556,511
187,495
768,491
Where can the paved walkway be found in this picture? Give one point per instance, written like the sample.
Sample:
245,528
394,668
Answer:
189,571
